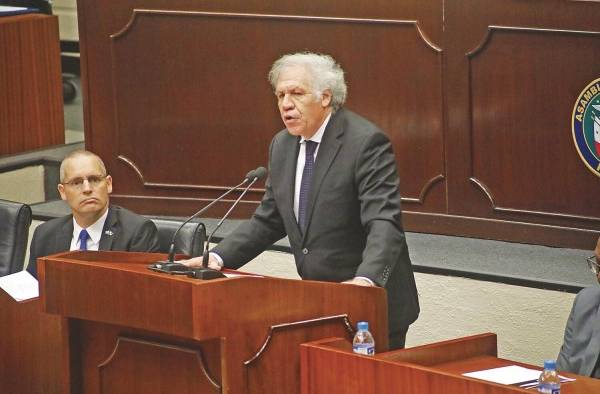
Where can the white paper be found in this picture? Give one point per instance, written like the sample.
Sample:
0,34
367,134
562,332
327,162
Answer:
6,8
506,375
511,374
234,275
20,286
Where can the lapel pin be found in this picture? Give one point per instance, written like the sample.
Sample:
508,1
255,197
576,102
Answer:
109,233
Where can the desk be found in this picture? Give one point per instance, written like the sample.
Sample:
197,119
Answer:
31,101
430,369
33,346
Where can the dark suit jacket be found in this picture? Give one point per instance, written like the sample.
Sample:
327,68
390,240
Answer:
581,347
123,230
354,225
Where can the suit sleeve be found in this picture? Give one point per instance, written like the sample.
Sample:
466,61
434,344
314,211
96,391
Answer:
563,361
566,351
145,238
380,211
253,236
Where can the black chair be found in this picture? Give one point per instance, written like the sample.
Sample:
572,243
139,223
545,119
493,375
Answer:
15,219
190,239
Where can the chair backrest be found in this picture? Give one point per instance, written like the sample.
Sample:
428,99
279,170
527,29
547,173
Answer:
15,219
190,239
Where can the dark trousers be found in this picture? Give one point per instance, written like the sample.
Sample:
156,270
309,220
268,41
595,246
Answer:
397,339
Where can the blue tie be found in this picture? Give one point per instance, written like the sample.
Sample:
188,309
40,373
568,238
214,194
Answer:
83,238
309,164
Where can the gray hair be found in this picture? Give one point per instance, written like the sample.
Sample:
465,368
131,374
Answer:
77,153
325,72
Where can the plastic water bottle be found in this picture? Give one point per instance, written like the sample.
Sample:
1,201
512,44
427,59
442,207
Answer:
549,382
363,342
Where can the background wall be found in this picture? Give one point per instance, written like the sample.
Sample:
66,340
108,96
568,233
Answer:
476,96
66,10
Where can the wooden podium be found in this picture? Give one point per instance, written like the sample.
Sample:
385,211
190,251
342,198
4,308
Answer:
430,369
132,330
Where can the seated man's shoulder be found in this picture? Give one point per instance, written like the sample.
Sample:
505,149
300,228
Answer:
592,292
53,224
129,216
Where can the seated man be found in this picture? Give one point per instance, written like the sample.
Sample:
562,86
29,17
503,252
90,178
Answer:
580,352
93,225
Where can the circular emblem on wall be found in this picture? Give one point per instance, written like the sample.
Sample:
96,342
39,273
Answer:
585,124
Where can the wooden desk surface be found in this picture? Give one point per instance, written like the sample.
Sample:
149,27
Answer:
582,384
435,368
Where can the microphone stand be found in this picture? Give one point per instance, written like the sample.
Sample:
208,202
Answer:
208,273
170,265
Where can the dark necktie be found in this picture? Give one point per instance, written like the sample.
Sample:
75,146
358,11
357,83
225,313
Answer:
83,238
309,164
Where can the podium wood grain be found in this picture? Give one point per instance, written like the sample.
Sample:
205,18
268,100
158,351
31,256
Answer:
33,356
135,330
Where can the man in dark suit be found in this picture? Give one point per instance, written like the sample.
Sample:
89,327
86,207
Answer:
580,352
333,189
93,225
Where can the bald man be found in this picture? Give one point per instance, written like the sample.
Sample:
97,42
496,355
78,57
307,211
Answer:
94,224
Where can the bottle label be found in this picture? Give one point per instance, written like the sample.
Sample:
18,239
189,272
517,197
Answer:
549,389
364,348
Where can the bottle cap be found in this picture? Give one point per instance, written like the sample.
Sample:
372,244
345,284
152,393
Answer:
363,325
549,364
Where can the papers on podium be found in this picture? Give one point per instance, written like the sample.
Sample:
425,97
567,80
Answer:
6,10
21,286
512,374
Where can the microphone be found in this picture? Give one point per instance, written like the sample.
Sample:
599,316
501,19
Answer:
170,265
208,273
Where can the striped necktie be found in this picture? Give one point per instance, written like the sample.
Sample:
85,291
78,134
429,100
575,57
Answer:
309,164
83,238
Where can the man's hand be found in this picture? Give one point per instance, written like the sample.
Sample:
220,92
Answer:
358,281
197,262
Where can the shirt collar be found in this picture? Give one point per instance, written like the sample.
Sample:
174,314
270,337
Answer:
95,230
318,136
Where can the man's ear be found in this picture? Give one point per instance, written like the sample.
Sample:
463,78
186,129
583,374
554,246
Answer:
61,191
109,183
326,98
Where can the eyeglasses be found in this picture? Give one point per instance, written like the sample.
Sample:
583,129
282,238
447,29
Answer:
593,264
93,181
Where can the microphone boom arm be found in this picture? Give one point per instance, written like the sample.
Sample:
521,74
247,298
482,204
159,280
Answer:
205,254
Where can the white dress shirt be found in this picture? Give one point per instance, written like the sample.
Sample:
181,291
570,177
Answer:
94,231
317,137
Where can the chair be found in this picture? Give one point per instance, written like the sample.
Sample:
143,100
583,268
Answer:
15,219
189,241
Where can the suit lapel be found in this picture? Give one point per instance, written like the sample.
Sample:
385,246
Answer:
328,150
64,236
109,232
289,177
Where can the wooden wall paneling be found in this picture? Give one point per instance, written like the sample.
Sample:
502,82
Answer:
31,113
524,84
454,84
154,72
510,84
